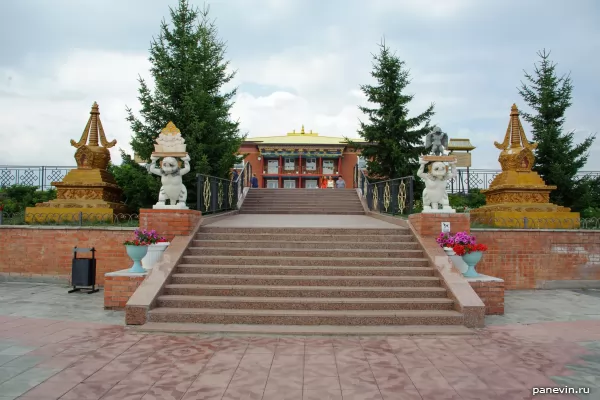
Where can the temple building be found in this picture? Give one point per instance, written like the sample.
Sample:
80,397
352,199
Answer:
299,159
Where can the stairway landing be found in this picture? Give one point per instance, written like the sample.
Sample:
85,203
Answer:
302,221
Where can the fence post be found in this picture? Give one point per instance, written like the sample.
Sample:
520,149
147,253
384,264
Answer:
43,178
80,218
524,222
395,204
214,194
199,186
1,217
410,195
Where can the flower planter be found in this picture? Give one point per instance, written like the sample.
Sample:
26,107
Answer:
456,260
471,259
155,252
136,253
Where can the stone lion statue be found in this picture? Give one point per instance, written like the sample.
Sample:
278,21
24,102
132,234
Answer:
436,180
437,141
172,188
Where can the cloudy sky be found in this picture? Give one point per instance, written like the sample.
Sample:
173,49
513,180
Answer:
298,62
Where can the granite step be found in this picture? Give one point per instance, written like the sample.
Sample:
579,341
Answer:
301,212
304,330
289,244
306,317
304,291
306,280
304,303
302,200
298,238
303,270
307,231
306,252
301,261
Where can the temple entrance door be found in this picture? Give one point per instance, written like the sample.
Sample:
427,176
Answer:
289,184
311,184
272,184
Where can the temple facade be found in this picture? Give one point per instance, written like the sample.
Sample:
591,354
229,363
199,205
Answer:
300,159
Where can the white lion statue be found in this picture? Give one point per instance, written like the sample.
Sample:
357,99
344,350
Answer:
172,188
436,180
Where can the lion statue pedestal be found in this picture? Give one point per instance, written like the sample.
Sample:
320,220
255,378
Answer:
170,147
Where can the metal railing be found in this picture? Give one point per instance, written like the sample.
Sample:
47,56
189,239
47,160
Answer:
217,194
41,177
485,222
69,219
392,196
468,179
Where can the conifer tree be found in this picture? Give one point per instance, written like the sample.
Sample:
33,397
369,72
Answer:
394,139
189,71
558,158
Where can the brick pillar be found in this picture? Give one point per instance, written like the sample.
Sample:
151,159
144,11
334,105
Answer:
169,223
430,224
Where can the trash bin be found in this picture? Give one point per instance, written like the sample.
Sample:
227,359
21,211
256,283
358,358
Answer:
83,271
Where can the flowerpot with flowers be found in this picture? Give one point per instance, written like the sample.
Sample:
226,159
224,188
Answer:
447,241
136,249
471,255
156,247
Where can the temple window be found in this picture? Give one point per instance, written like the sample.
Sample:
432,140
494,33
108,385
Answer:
327,167
290,164
311,164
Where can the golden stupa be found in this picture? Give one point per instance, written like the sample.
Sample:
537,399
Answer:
518,192
89,188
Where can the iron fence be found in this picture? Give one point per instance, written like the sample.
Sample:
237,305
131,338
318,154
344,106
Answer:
217,194
468,179
69,219
392,196
41,177
485,222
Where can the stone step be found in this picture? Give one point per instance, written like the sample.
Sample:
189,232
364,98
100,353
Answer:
307,231
295,252
303,270
301,212
304,303
298,238
301,261
307,330
306,317
304,291
303,200
306,280
288,244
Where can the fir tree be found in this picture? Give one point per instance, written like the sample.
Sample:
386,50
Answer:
394,141
189,71
558,158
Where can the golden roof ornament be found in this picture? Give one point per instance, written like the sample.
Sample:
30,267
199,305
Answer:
517,151
170,129
94,131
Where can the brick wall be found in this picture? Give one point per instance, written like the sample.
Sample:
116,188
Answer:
170,223
430,224
528,259
47,251
118,289
492,295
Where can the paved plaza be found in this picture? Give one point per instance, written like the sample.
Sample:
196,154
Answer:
59,346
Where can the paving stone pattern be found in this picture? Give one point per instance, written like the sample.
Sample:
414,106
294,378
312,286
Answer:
46,359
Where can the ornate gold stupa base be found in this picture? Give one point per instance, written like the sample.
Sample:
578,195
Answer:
546,216
94,192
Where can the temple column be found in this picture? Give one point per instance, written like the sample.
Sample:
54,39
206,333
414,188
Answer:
280,169
262,174
299,171
340,166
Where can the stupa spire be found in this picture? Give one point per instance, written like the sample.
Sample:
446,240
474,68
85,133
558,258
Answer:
94,131
515,137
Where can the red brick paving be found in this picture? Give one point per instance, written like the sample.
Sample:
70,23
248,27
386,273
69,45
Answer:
87,361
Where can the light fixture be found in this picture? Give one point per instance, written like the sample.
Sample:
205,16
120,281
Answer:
258,158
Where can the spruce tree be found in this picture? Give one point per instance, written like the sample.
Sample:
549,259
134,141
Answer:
189,70
394,141
558,158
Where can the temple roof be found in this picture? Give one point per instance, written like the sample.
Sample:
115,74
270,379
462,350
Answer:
94,131
460,144
300,138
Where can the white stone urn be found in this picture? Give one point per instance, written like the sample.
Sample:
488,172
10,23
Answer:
458,262
154,254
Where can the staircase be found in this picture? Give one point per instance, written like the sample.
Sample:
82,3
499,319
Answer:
305,281
302,201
